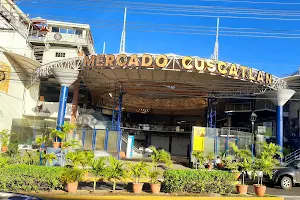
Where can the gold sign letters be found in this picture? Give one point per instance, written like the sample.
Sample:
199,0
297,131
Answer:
187,63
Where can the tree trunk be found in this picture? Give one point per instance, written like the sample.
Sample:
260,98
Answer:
114,185
95,184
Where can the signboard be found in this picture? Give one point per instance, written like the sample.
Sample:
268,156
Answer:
130,145
198,138
187,63
4,77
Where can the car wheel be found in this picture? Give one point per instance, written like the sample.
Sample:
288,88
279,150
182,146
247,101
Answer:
286,183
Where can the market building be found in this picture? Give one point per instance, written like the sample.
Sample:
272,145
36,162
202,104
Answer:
50,74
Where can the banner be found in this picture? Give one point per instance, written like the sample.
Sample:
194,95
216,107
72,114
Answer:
130,145
198,138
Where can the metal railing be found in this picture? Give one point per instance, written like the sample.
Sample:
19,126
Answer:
292,156
14,19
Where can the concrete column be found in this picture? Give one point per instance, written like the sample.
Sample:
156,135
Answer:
65,77
279,98
75,102
279,136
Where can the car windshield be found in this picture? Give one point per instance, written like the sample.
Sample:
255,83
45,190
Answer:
294,163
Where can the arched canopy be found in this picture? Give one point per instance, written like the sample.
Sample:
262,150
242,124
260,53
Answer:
166,82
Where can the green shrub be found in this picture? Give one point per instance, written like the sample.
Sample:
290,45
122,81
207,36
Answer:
198,181
71,175
29,178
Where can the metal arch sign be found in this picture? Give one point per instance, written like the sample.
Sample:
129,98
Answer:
177,63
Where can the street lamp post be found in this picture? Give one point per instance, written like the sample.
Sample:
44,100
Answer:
253,119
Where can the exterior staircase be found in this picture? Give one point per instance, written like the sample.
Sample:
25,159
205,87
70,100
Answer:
291,157
38,53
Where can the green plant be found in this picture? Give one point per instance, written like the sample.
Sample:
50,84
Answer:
73,143
65,129
80,158
198,181
244,159
229,164
4,161
4,137
99,167
138,170
266,161
200,158
210,157
160,156
71,175
49,157
41,140
73,159
115,171
153,175
30,158
20,178
13,149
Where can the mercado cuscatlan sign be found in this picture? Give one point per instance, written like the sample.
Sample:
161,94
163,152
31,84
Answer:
187,63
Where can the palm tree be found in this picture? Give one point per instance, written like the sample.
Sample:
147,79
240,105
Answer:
115,171
160,156
99,167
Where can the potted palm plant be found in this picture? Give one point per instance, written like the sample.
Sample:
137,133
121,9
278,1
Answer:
154,183
210,158
158,156
137,171
200,158
98,169
71,177
115,171
265,164
61,134
244,162
4,138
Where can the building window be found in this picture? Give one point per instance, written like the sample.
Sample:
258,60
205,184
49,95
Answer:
55,29
60,55
78,32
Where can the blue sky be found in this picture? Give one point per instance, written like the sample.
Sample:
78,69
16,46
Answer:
275,55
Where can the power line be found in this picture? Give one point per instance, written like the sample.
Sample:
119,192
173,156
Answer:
224,12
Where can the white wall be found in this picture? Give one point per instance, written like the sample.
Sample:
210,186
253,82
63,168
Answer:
49,55
11,103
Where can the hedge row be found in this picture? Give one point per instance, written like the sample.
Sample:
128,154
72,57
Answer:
199,181
29,178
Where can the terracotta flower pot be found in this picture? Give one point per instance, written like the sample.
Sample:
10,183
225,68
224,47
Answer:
137,187
155,188
72,187
260,190
4,149
242,189
56,145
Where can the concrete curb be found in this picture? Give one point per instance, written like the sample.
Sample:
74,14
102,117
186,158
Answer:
136,197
